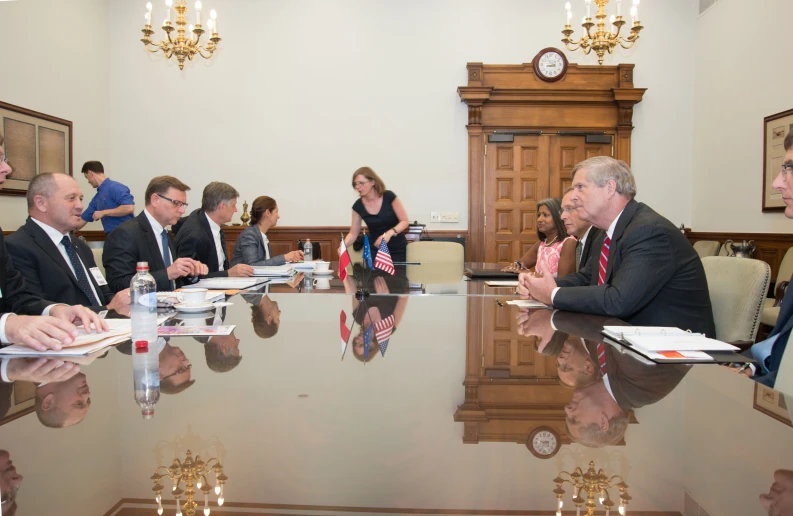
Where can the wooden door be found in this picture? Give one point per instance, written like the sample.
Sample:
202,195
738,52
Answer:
566,152
516,177
506,354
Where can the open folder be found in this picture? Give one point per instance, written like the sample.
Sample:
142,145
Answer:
668,344
84,344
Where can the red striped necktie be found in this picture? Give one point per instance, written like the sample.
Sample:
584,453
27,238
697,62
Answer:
604,260
602,358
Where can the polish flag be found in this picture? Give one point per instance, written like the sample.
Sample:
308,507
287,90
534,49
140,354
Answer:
345,332
344,261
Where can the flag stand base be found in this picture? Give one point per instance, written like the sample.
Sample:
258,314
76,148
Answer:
361,294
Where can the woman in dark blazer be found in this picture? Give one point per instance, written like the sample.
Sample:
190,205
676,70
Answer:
252,246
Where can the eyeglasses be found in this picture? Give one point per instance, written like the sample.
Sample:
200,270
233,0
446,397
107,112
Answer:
569,209
181,370
3,160
787,168
178,204
360,183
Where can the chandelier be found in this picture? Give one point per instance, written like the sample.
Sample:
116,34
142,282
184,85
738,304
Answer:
589,486
602,40
194,475
186,44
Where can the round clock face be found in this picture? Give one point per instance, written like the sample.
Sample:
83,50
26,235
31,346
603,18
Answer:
544,443
551,65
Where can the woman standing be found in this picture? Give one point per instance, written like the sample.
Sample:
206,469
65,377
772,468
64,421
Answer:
553,246
383,213
252,246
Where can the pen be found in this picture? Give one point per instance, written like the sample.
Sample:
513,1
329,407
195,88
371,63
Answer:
743,368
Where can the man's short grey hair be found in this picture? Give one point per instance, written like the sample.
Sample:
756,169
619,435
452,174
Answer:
602,169
216,193
788,142
43,185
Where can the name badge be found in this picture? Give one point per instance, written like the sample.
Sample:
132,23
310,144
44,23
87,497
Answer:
97,274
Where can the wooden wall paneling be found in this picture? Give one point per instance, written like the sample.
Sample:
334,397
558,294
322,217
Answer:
770,247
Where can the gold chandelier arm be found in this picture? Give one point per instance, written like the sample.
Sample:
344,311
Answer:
152,48
630,41
200,51
574,46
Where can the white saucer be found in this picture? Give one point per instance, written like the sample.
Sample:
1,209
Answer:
194,309
323,273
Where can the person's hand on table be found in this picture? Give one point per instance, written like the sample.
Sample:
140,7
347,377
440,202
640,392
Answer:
294,256
296,280
121,299
513,267
40,332
77,315
40,370
241,270
539,286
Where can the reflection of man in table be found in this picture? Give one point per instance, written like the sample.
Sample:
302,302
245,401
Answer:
265,314
10,481
62,404
175,374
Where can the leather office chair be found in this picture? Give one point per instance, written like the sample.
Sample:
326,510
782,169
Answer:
436,252
771,306
707,248
737,288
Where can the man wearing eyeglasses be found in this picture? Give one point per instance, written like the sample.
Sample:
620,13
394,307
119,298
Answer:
146,239
768,353
584,232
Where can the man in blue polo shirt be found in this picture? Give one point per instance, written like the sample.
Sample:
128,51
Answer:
113,202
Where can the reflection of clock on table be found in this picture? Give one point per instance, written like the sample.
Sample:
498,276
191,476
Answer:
550,64
543,442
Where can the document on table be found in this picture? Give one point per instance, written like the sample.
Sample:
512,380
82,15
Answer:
85,343
527,303
195,331
501,283
229,283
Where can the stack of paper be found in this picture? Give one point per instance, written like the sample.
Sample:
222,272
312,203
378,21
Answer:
273,270
304,266
667,343
85,343
229,283
527,303
172,298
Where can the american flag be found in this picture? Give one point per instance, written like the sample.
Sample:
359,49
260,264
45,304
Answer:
382,330
383,259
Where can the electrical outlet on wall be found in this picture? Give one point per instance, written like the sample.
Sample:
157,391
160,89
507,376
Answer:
435,216
450,216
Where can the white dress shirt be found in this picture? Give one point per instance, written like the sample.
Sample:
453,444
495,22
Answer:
266,246
57,237
157,228
215,229
609,233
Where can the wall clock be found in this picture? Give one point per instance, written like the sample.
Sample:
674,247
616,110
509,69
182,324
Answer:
544,442
550,64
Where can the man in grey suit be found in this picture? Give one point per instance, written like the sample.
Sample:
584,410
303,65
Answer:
647,273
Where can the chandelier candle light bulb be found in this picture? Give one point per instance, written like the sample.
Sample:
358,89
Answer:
214,16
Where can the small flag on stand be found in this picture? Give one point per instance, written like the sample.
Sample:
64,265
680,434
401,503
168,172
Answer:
367,252
383,259
344,261
345,332
367,341
382,330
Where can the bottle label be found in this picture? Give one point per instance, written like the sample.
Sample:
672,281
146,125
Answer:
148,300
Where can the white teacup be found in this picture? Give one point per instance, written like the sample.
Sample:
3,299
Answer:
192,323
194,296
322,283
321,266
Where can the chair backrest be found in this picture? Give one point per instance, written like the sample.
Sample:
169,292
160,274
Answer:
737,287
436,252
706,248
97,252
785,267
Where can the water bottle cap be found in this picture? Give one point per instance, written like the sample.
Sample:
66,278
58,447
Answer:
142,266
147,413
142,346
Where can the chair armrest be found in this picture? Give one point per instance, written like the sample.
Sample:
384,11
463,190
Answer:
779,293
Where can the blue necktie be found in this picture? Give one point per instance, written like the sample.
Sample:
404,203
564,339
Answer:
166,254
79,271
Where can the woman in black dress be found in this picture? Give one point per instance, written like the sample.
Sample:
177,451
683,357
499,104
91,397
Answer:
383,213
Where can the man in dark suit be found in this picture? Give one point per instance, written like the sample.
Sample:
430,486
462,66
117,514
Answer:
201,236
770,351
145,239
56,266
583,231
19,319
647,273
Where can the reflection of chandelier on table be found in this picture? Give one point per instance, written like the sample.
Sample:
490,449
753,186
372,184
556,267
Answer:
193,472
182,46
602,40
590,486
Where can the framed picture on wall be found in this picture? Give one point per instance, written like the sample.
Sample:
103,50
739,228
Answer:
776,127
771,403
34,143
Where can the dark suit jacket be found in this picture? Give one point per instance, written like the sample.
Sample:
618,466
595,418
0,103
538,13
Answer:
635,384
14,290
45,270
131,242
194,240
653,277
784,324
587,252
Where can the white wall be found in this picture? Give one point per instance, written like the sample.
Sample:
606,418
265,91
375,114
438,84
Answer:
738,83
55,60
304,92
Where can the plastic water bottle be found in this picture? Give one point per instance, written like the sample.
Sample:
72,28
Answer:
146,377
143,305
307,249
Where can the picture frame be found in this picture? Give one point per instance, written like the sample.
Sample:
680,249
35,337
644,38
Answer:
771,403
34,143
775,128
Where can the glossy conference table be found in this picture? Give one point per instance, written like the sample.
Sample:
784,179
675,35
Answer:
438,425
